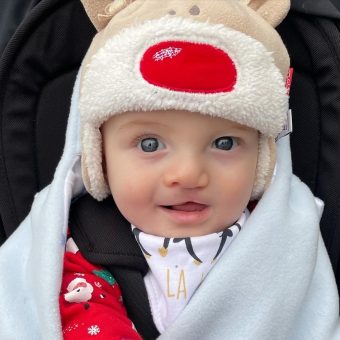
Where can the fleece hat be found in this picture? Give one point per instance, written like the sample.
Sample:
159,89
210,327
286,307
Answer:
221,58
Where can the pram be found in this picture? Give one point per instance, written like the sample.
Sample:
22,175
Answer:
38,69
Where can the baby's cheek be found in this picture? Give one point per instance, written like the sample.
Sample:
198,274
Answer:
130,193
125,203
236,192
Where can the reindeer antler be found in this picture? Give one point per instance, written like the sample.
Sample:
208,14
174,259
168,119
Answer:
101,12
273,11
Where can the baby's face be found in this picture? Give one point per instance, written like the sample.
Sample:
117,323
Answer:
177,173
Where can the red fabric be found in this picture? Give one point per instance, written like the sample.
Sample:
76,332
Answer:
91,304
188,67
289,79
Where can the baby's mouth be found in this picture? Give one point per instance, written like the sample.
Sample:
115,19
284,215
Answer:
187,207
187,212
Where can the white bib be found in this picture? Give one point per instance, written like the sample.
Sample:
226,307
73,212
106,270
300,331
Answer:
178,266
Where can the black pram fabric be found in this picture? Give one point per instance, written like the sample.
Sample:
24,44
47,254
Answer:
37,74
314,45
11,14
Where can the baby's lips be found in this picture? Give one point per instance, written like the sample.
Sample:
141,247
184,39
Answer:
188,206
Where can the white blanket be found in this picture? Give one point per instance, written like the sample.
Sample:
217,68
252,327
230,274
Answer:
274,282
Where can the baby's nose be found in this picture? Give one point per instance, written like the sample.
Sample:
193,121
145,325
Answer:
188,173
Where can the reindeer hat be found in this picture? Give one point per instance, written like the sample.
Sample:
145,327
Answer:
141,60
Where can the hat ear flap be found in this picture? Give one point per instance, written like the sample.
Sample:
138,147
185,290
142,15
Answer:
273,11
100,12
265,166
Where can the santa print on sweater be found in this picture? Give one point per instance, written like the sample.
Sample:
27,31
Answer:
91,303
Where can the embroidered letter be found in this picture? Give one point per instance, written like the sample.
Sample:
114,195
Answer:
181,285
170,295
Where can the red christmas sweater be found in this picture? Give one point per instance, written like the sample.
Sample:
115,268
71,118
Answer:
91,303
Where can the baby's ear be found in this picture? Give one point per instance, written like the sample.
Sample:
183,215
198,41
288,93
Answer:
273,11
101,12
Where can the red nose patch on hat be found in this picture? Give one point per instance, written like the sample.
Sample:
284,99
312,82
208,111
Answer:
188,67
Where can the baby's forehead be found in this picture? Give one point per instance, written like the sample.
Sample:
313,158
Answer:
173,118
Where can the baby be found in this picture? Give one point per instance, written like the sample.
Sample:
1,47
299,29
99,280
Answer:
176,113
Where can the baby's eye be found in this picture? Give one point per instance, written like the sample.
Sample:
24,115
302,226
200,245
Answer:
150,144
225,143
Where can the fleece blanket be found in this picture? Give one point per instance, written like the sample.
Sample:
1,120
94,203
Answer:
274,282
